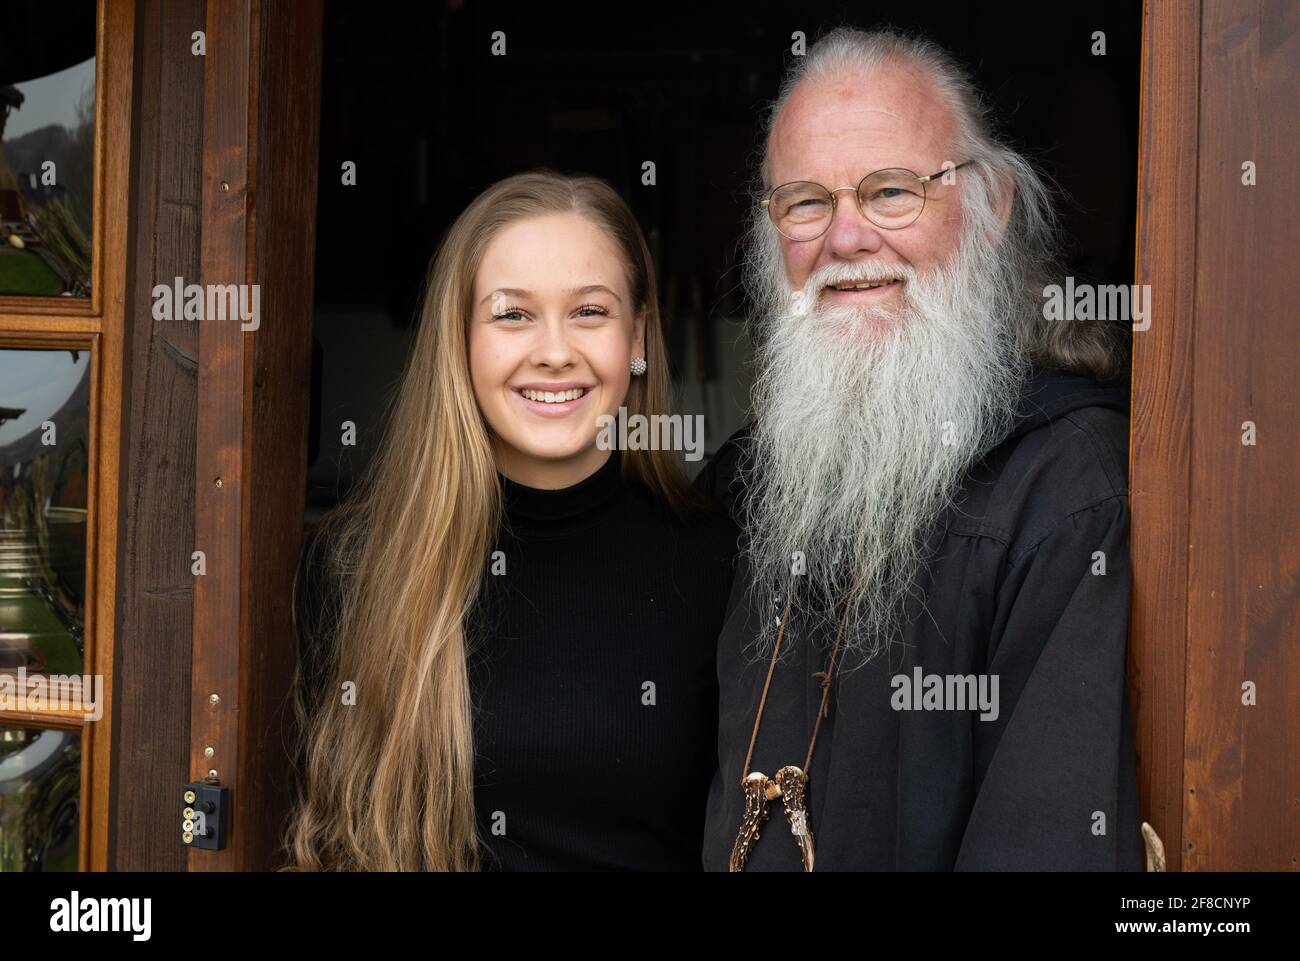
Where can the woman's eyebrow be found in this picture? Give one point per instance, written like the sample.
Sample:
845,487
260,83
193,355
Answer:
592,288
572,291
507,291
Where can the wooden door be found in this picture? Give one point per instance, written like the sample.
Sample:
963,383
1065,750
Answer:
225,188
1214,649
205,168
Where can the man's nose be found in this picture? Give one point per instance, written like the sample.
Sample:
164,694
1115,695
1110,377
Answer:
851,233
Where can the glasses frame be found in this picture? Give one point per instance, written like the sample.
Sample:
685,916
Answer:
857,193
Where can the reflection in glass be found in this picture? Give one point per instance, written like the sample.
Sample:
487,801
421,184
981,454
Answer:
47,139
40,789
44,431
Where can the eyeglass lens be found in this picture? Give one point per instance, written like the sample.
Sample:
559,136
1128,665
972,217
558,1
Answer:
890,199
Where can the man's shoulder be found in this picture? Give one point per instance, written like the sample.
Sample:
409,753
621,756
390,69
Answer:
1072,423
1084,448
1067,455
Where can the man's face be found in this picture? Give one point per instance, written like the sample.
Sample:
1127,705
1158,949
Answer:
838,130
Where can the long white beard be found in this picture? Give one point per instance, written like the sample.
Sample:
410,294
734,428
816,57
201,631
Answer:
866,422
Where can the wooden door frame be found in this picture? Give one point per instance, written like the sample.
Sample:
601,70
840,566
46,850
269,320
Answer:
1214,523
1161,411
223,192
261,122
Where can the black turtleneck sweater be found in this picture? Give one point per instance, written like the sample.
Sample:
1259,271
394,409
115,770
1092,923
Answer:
592,668
593,673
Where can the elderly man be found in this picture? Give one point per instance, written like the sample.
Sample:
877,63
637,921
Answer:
924,664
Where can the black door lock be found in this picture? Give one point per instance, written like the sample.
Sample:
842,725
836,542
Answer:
205,819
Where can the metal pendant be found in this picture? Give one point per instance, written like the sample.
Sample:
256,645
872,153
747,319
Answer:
791,786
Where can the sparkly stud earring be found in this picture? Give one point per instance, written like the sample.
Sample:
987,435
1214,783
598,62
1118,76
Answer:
638,366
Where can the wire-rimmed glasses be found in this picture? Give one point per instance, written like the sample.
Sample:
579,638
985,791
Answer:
891,199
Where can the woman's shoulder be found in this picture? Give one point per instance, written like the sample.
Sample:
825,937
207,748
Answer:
703,527
690,557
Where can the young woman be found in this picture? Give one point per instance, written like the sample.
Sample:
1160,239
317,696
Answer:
510,630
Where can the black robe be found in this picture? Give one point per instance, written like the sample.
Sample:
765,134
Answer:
1050,783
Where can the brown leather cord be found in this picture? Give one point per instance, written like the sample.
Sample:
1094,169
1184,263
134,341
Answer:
825,675
762,701
791,783
826,687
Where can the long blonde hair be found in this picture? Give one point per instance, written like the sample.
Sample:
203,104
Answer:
388,782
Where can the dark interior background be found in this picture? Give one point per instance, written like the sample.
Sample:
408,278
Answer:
414,97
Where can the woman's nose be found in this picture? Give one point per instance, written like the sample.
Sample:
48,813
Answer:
553,348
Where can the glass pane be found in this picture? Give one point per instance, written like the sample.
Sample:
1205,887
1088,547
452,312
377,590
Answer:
44,445
47,139
40,791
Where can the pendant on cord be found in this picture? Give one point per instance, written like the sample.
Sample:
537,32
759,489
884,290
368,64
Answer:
791,786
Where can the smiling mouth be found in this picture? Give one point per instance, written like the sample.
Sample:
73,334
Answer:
865,284
553,396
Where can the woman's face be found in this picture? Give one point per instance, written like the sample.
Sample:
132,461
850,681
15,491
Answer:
551,338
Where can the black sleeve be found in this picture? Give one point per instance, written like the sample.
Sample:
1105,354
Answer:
1058,790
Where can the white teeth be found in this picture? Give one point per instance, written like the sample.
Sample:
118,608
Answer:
553,397
868,285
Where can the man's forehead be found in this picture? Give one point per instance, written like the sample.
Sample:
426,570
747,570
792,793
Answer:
836,125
